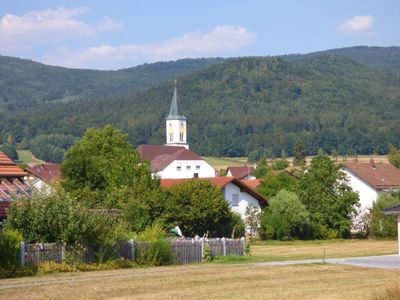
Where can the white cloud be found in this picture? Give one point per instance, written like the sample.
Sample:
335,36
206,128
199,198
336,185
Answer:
108,24
48,27
357,24
220,40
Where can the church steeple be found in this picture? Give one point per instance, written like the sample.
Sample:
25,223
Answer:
176,124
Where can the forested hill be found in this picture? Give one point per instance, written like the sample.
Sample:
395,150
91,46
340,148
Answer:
256,103
25,83
383,58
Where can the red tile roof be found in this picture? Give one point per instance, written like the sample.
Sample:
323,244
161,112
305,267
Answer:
218,182
8,168
378,175
46,172
161,156
253,183
240,172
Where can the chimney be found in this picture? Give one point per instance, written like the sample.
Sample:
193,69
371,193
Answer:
372,163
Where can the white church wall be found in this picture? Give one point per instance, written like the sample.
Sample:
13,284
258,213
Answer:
187,169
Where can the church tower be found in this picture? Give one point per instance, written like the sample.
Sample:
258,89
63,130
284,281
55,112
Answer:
176,124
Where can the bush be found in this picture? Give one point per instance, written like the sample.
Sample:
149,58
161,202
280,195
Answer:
285,218
384,226
159,253
281,164
10,249
237,225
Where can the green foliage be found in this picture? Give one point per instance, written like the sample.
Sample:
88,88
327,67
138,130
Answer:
237,225
197,207
9,150
152,233
324,191
262,169
51,147
272,184
284,218
255,155
298,153
244,107
9,249
207,255
384,226
394,156
280,164
159,253
230,259
252,216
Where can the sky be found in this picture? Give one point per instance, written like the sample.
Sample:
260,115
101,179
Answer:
119,34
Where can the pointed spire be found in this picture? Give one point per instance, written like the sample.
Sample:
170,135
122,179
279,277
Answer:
173,111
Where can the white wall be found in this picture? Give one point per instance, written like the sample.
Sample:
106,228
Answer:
367,193
245,199
171,171
175,127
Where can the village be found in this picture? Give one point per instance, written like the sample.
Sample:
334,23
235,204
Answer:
199,150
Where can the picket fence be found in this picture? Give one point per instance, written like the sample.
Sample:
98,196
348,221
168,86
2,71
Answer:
184,251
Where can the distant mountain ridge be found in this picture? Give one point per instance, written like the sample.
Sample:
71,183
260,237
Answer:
25,83
330,101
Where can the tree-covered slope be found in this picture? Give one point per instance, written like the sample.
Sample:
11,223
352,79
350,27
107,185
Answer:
383,58
25,83
330,101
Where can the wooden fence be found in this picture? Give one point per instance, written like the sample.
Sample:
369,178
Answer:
184,251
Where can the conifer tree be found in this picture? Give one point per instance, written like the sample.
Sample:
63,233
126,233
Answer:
299,154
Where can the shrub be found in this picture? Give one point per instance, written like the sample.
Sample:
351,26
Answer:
159,253
384,226
9,249
285,218
207,257
237,225
281,164
151,234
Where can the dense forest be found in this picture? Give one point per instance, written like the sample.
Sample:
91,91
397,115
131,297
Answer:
329,101
25,83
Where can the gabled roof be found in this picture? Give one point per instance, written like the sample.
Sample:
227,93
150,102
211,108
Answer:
219,182
240,172
8,168
161,156
253,183
46,172
378,175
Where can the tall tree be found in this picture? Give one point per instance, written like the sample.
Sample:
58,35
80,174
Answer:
298,153
394,156
331,202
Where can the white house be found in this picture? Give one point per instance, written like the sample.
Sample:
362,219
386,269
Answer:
174,159
369,179
175,162
238,194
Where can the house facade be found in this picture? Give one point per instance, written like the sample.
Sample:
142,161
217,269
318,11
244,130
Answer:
41,176
370,179
237,193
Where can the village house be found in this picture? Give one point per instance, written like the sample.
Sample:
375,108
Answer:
174,159
12,184
369,179
241,172
237,193
41,176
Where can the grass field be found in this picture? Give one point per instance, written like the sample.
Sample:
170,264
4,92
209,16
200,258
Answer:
26,156
223,162
288,250
317,281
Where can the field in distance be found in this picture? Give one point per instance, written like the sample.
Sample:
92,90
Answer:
26,156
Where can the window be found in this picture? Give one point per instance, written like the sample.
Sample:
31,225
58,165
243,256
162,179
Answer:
178,168
188,168
235,199
195,175
181,137
197,167
171,137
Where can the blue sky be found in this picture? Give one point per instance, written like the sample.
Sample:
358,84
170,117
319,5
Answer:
117,34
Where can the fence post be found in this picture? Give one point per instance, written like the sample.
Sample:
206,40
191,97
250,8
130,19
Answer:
22,254
223,246
202,249
132,245
62,252
243,242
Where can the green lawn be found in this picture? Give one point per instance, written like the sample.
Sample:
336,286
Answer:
26,156
224,162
